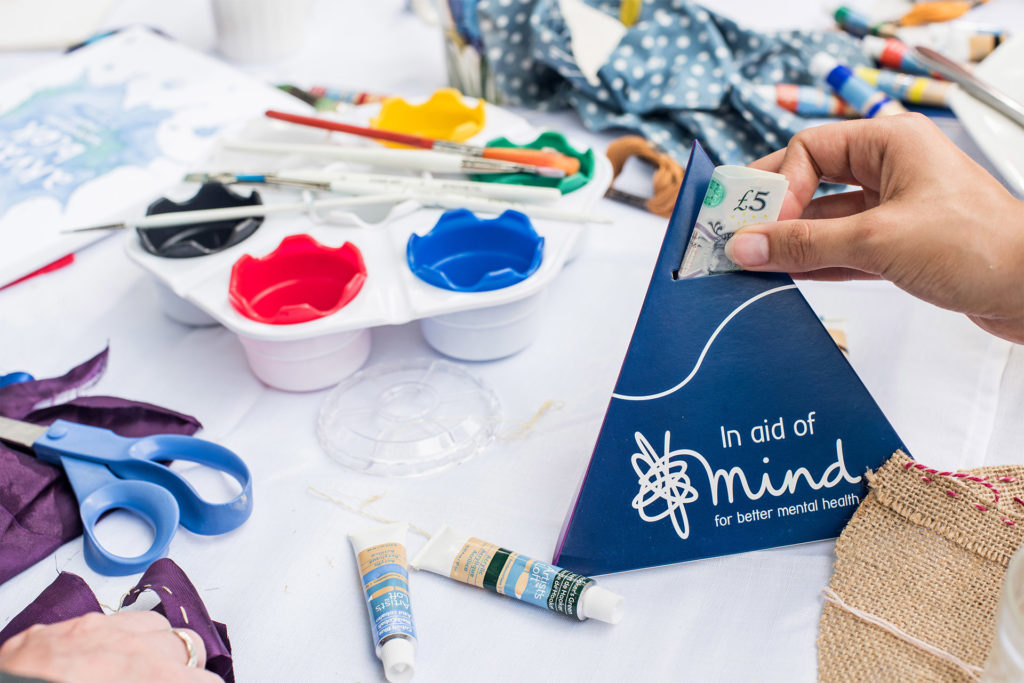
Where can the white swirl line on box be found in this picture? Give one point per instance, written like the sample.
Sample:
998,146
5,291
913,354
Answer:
700,360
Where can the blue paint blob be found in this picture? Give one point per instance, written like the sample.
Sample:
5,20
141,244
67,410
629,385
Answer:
463,253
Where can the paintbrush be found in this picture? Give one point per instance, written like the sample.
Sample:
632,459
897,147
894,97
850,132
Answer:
567,164
410,159
163,220
432,199
375,183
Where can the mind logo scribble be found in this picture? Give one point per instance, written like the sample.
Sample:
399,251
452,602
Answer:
664,486
62,137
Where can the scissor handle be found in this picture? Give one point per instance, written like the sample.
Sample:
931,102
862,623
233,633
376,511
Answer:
131,458
151,503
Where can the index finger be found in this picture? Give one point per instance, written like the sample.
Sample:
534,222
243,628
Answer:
849,152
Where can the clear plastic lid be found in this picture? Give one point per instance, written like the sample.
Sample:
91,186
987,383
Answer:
409,418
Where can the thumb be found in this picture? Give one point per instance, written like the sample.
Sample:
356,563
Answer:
803,245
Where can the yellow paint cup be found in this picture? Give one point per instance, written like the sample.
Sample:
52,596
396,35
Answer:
445,116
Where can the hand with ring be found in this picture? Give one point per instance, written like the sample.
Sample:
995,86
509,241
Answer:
129,647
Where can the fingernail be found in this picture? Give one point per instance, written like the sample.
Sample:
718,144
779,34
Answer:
748,250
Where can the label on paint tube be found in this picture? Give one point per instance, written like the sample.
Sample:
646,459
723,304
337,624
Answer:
486,565
386,586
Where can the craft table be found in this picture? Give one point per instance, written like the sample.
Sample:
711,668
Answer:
285,583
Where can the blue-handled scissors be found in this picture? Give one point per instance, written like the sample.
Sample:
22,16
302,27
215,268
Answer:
108,471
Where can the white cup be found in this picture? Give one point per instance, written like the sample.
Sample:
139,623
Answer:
1006,658
260,30
486,333
307,364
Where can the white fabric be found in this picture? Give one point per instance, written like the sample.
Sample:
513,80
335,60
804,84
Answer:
286,583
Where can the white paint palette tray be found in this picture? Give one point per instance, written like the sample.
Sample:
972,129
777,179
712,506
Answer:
319,353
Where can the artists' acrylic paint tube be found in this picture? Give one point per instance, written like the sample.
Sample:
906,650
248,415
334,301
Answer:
485,565
860,24
346,96
863,96
894,54
960,41
380,553
913,89
806,100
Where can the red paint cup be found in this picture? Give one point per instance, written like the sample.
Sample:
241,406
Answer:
301,280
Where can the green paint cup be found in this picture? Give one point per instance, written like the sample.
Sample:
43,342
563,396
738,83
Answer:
547,140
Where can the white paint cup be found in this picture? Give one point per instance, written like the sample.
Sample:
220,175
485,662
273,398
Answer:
307,364
260,30
486,333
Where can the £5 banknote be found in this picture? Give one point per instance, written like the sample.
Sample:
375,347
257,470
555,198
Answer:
737,196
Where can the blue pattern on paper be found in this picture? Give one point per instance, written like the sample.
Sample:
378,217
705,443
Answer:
62,137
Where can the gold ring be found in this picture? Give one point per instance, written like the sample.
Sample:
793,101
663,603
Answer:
190,650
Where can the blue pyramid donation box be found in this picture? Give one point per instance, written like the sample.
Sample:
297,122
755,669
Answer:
736,422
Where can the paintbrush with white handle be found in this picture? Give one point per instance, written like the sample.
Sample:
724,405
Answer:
410,159
376,183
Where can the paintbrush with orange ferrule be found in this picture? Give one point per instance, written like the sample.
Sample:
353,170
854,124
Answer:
533,157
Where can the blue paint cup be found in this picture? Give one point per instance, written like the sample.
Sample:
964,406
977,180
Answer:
463,253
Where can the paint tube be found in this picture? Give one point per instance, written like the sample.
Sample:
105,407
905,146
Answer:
380,553
806,100
863,96
484,565
957,40
860,24
891,53
914,89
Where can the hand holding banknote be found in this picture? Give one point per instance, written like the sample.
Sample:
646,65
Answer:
736,196
927,218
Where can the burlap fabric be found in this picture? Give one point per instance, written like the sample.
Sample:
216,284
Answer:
918,573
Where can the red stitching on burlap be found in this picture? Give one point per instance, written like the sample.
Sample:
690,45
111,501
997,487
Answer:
961,475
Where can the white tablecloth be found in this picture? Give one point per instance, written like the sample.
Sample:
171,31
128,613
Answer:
286,583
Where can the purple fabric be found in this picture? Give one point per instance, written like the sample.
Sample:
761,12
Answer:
182,606
66,598
38,510
69,596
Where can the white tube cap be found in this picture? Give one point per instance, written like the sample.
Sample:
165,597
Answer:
601,604
872,45
398,656
822,64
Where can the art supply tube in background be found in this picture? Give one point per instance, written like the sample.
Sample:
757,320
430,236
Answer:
461,557
380,553
806,100
913,89
863,96
860,24
346,96
894,54
957,40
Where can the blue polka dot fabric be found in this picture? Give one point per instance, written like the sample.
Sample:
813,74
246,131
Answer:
680,73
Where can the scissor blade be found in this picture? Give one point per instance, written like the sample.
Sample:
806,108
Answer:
20,433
